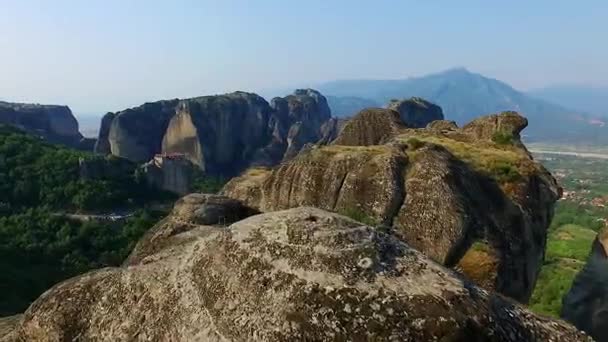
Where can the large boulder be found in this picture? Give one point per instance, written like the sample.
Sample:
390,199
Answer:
503,128
297,275
55,123
372,126
7,326
188,213
416,112
586,304
443,196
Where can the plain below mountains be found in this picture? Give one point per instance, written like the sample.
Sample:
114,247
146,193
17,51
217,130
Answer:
464,95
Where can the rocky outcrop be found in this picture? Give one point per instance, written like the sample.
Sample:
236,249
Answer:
330,130
221,134
102,144
7,326
297,275
416,112
504,127
54,123
189,213
442,195
170,172
372,126
442,126
136,134
586,304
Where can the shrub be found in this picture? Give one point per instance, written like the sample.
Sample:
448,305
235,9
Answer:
503,138
415,144
360,216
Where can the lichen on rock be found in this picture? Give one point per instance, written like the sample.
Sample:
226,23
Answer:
298,275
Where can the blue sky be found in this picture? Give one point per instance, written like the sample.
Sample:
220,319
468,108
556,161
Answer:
99,56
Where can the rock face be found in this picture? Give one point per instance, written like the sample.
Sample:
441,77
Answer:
372,126
507,125
586,304
54,123
297,275
416,112
221,134
189,213
136,134
331,129
170,172
442,193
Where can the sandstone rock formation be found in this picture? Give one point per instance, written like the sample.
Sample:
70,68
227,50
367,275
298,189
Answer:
221,134
136,133
372,126
170,172
297,275
54,123
442,192
331,129
190,212
416,112
586,304
507,125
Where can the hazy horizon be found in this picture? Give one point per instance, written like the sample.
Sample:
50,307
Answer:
100,56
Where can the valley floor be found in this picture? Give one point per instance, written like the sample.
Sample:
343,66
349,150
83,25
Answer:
579,215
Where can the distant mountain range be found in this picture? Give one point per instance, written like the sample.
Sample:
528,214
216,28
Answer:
587,98
464,95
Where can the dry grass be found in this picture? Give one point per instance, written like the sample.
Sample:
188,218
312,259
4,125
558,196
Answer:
342,152
480,264
502,162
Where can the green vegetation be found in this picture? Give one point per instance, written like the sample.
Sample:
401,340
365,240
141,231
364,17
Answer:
208,184
360,216
34,173
504,163
414,143
39,246
39,249
503,138
575,224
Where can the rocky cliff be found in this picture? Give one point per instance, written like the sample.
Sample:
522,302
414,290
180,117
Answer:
586,304
298,275
221,134
454,194
54,123
136,133
416,112
372,126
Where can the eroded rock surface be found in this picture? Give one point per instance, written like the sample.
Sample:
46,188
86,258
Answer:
586,304
372,126
188,213
221,134
416,112
442,190
297,275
